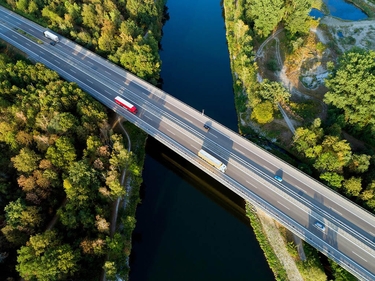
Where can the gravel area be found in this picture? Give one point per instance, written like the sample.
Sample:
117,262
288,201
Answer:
279,246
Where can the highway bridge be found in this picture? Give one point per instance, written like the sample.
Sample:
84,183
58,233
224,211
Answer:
338,228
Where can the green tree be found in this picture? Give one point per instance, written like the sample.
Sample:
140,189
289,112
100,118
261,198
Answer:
110,270
352,186
359,163
296,16
352,87
23,217
266,14
62,154
26,161
273,91
263,112
45,258
306,140
332,179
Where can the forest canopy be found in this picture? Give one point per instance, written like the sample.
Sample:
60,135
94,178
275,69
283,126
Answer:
57,155
127,32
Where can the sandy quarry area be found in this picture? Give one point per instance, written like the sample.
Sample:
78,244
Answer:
351,33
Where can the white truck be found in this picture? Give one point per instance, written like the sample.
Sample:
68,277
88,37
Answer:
51,36
212,160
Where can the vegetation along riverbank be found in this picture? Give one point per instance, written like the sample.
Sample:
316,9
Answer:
300,63
61,160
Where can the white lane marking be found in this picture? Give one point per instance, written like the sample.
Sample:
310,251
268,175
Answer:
30,29
359,256
214,136
28,44
251,184
89,81
57,61
167,107
188,120
194,147
107,92
148,117
107,72
14,36
171,132
283,205
41,52
72,71
6,16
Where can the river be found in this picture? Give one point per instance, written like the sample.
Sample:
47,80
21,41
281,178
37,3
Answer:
189,227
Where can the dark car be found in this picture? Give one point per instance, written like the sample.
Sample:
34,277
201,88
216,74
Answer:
206,127
53,43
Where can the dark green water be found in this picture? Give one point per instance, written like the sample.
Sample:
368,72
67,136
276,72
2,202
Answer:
189,226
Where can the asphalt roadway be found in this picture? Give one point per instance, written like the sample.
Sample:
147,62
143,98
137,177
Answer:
298,201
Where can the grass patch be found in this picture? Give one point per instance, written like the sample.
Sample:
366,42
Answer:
273,261
32,38
311,269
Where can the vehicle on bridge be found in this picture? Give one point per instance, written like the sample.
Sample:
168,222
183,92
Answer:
320,226
130,107
51,36
212,160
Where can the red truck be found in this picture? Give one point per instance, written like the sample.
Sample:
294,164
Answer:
126,104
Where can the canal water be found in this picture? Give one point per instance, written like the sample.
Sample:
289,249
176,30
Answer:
189,227
340,9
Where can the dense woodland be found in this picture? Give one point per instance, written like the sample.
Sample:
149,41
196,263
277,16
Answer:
58,156
127,32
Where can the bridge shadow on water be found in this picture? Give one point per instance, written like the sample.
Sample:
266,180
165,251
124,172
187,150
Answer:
187,214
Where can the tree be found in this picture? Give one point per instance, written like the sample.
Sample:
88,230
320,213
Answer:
23,217
62,154
26,161
110,270
296,16
359,163
333,179
352,87
305,140
45,258
263,112
62,123
266,14
273,91
352,186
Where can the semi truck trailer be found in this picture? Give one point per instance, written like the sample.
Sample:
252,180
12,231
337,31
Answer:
126,104
51,36
212,160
